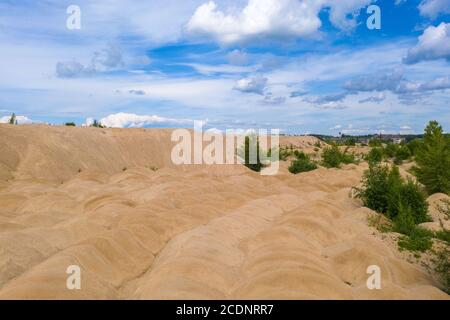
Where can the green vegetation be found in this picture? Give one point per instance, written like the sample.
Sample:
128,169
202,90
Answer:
402,153
302,163
97,124
332,157
375,142
419,239
251,147
414,145
385,191
12,119
442,267
375,155
433,160
70,124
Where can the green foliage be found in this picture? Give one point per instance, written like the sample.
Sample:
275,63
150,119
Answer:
443,235
350,142
385,191
390,150
414,145
375,155
97,124
419,239
331,157
375,142
302,164
433,160
402,153
404,222
442,267
70,124
251,148
12,119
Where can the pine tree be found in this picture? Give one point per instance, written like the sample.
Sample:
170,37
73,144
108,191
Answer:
433,160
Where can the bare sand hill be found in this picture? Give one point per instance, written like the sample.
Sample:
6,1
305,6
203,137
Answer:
195,232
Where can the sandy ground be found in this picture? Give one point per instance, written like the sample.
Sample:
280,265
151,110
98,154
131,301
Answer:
109,201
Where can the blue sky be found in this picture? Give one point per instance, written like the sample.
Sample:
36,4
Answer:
303,66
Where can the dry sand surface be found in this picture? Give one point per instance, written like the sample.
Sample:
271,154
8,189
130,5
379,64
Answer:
192,232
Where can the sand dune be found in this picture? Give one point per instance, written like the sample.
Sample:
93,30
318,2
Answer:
190,232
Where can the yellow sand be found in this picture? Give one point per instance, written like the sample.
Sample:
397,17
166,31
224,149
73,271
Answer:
191,232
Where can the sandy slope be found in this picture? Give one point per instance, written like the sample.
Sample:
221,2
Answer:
216,232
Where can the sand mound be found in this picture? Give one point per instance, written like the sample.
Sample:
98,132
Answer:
193,232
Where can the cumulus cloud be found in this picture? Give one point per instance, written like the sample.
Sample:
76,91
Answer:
433,8
272,18
131,120
105,60
19,119
433,44
376,98
257,84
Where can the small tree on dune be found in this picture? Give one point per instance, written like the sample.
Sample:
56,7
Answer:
13,120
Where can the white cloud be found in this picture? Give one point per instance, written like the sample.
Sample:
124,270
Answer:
272,19
432,8
433,44
381,96
131,120
19,119
106,59
257,84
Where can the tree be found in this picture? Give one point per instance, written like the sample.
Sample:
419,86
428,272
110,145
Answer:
251,147
13,119
433,160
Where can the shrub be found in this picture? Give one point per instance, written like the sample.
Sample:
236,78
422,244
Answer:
375,155
70,124
402,153
252,143
414,145
390,150
12,119
331,157
443,235
350,142
442,267
404,221
418,240
374,192
375,142
384,191
302,164
433,160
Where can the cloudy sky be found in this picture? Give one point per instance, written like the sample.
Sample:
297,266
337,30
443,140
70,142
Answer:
303,66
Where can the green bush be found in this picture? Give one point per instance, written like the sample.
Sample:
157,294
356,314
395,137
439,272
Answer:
419,239
302,165
12,119
70,124
414,145
331,157
443,235
404,221
433,160
252,143
384,191
390,150
375,155
375,142
402,154
442,267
